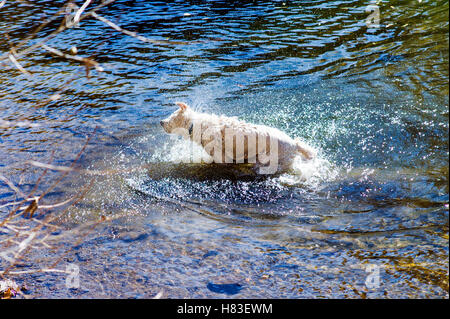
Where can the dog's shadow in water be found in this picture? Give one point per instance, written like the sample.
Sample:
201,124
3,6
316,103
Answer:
205,172
221,188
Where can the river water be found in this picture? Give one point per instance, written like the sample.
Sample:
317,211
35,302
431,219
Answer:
367,219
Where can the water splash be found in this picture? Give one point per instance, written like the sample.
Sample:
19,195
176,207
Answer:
310,174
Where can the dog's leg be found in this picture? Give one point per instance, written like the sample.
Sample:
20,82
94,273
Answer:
305,150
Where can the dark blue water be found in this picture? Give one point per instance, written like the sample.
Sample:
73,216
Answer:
372,101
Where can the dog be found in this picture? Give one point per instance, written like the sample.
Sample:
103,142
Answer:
230,140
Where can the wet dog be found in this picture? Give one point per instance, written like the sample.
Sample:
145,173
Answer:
229,140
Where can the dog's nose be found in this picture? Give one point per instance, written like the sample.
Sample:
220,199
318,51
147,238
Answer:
162,123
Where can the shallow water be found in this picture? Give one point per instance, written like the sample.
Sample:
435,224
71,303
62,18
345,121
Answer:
372,101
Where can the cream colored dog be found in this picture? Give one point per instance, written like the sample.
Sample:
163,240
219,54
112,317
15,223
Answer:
229,140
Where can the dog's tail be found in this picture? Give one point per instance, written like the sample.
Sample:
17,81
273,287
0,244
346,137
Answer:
305,150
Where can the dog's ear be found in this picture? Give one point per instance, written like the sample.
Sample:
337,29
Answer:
183,106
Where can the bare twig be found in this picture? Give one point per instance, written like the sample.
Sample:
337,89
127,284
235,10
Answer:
29,225
87,62
41,26
12,186
56,32
36,271
87,171
71,166
50,166
76,19
17,64
134,34
30,194
17,203
57,204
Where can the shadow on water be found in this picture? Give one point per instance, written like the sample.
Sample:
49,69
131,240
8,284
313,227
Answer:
373,101
204,172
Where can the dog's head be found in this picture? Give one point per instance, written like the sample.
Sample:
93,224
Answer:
180,121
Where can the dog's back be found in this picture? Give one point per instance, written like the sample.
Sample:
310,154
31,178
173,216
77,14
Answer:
287,148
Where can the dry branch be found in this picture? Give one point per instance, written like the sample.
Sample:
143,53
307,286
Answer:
31,220
76,18
133,34
55,33
87,62
17,64
12,186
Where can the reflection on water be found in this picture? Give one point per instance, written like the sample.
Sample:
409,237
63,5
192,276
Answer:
373,101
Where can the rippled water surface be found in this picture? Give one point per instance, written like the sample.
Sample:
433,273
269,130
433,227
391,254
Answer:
372,100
